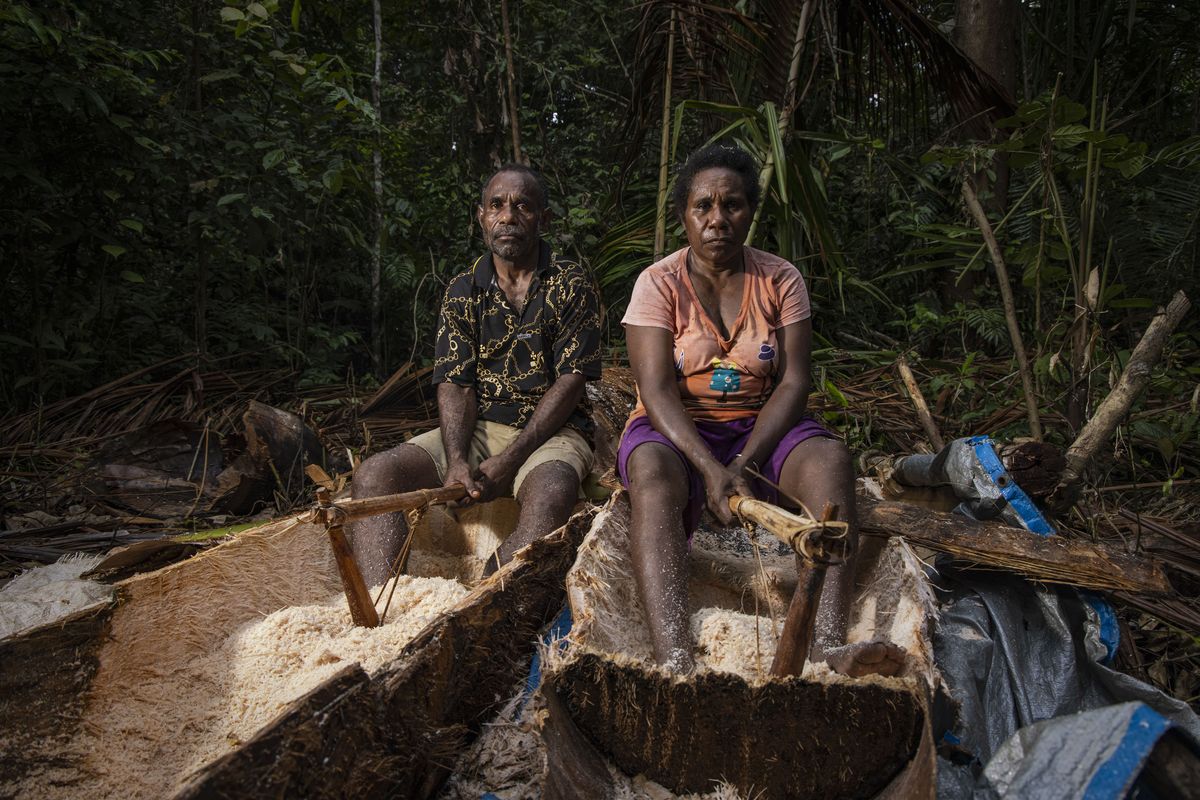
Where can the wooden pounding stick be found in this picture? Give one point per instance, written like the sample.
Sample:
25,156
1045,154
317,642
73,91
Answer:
345,511
798,629
335,515
816,549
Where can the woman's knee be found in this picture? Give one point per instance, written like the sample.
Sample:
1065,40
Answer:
656,475
818,461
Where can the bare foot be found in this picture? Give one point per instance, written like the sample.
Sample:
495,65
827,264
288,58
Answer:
866,658
680,661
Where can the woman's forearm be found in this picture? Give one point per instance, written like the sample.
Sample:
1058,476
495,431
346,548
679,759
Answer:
650,356
782,411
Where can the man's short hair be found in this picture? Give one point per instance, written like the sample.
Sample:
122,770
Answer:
716,155
523,170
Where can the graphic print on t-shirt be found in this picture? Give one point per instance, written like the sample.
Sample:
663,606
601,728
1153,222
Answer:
726,378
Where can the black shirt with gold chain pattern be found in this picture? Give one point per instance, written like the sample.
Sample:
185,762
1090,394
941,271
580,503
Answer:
512,356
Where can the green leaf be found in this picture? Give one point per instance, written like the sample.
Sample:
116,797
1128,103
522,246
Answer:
296,15
332,180
132,224
230,198
219,75
229,14
296,68
132,277
114,250
272,158
257,10
835,394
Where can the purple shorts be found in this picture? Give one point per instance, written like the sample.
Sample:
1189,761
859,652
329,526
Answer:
725,440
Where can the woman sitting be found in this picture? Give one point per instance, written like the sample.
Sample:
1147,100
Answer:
719,340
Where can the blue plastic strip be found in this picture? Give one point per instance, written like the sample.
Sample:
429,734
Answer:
1030,516
1116,775
558,629
1110,630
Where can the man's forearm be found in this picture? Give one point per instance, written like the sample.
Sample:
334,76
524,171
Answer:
551,413
456,415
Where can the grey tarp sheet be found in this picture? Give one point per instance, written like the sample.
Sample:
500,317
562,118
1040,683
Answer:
1013,656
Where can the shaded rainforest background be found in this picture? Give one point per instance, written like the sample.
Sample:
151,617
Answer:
289,185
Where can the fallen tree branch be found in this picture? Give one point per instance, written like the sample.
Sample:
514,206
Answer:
918,400
1108,415
1044,559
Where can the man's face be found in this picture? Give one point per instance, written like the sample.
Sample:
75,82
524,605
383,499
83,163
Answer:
511,215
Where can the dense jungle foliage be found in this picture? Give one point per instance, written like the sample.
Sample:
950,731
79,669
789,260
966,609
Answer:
193,178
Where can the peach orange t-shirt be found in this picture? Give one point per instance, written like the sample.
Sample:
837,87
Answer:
719,379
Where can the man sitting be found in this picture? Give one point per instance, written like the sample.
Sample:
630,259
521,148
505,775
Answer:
519,336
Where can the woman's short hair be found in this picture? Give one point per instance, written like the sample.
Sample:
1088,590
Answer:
717,155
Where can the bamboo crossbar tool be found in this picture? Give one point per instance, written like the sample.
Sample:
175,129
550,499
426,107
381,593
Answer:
819,544
335,515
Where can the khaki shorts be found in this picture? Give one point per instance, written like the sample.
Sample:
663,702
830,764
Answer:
490,438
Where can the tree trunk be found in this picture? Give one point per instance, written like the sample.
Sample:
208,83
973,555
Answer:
660,224
790,101
377,158
986,32
197,104
513,117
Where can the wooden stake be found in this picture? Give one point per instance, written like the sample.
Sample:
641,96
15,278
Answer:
1133,379
796,640
1010,308
362,610
918,399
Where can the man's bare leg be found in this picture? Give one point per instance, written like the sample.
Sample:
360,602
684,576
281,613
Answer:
820,471
377,540
658,492
547,497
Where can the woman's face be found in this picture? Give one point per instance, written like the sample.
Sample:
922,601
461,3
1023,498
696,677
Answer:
717,217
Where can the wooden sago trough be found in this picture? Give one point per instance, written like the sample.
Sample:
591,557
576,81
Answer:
143,696
816,735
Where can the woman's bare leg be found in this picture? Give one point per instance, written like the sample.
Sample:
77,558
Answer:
820,471
658,492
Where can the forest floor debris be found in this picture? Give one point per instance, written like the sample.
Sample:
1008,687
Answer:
52,505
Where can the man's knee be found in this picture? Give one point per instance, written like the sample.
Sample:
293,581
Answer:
399,469
551,483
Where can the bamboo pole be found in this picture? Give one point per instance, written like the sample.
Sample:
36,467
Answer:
660,222
1010,309
1108,415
